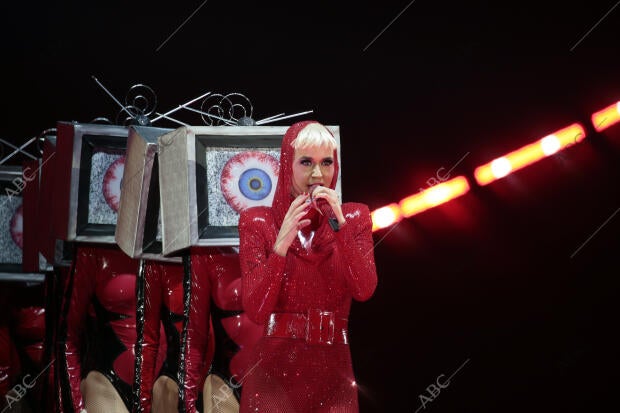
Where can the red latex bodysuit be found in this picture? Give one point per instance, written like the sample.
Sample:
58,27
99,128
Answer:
30,334
216,291
299,374
23,344
30,341
103,286
57,290
163,304
10,367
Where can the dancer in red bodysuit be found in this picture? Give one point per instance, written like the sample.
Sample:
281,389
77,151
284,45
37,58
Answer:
29,330
163,302
10,367
216,291
98,367
23,325
30,333
300,272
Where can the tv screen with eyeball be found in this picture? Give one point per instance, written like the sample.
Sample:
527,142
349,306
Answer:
91,159
106,167
11,218
209,174
235,178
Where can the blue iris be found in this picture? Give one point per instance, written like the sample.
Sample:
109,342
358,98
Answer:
255,184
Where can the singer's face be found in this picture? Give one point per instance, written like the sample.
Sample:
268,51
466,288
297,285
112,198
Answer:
313,165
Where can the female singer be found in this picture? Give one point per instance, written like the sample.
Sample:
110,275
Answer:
303,260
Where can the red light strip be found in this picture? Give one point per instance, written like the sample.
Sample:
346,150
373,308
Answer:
494,170
529,154
606,117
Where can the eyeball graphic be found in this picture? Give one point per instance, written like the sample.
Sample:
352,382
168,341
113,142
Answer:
112,181
17,227
249,179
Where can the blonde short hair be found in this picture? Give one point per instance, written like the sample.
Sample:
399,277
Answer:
314,134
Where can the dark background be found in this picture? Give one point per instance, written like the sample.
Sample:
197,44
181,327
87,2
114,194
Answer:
516,282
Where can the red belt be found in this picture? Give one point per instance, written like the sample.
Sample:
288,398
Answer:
316,327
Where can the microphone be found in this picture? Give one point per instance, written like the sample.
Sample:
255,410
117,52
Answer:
326,210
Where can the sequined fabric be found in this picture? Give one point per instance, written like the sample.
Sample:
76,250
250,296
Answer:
289,374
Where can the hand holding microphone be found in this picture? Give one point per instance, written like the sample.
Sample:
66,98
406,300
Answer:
293,221
325,201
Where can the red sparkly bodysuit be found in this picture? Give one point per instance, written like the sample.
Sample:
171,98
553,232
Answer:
103,287
303,362
163,304
216,292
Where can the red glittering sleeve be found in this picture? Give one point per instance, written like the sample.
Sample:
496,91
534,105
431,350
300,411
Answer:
356,247
262,268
